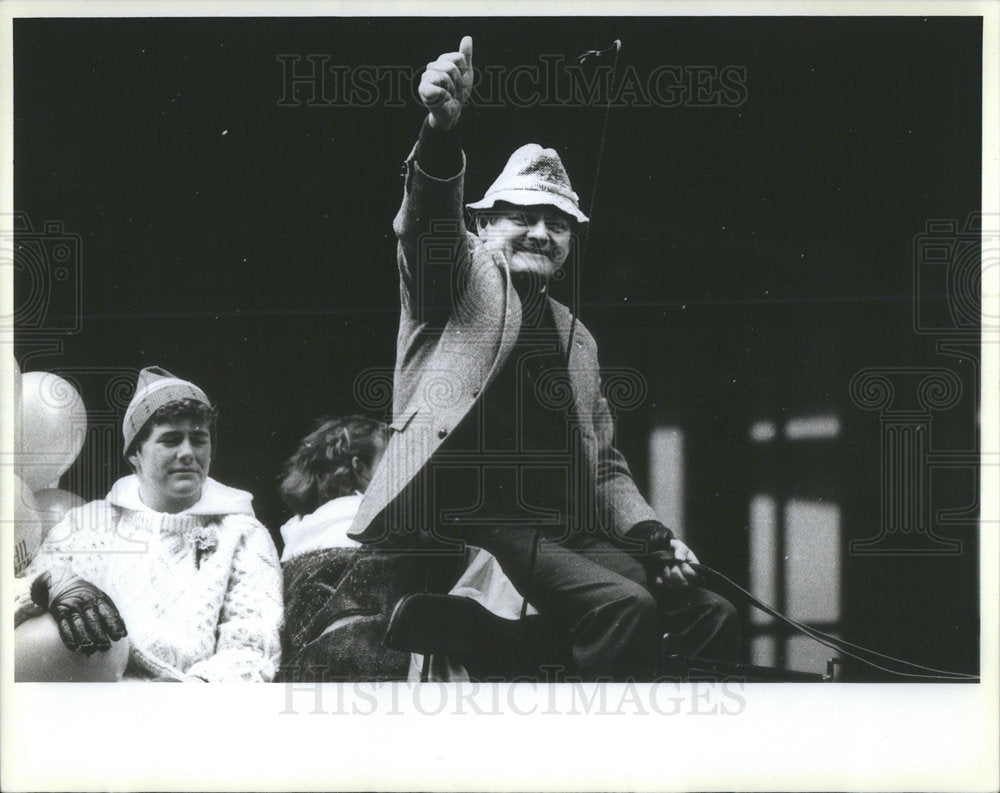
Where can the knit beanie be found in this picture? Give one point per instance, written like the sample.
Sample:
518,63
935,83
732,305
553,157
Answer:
154,389
533,176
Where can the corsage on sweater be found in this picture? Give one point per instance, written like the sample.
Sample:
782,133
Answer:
199,591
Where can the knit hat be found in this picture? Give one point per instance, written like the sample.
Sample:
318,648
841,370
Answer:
154,389
532,176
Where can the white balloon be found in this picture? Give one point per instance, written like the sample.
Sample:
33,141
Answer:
53,428
53,504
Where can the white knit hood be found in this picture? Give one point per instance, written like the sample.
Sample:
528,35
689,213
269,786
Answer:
216,498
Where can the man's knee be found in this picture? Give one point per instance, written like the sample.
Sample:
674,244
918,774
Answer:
41,656
720,611
692,608
633,603
703,624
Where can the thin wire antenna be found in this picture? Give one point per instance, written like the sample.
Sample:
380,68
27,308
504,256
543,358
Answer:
583,57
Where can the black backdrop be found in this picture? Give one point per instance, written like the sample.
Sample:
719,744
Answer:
747,258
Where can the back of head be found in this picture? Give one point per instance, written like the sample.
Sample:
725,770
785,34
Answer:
334,460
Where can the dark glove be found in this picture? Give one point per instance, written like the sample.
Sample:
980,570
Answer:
88,619
654,536
657,552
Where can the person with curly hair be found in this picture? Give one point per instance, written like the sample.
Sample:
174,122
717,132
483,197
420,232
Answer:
338,595
323,481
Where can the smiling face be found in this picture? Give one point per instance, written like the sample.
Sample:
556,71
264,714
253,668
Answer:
172,464
535,239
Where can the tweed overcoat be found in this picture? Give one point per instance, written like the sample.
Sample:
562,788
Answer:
460,318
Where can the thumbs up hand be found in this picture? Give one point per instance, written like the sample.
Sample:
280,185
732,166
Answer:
446,84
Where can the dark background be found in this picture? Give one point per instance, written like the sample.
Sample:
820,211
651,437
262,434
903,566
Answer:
748,260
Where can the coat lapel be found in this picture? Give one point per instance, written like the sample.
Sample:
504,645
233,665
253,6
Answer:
562,318
511,324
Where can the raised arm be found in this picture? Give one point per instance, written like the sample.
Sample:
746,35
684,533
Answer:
429,227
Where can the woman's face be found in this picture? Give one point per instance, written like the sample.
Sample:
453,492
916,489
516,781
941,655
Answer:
172,464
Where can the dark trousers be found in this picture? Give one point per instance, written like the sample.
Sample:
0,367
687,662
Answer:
598,595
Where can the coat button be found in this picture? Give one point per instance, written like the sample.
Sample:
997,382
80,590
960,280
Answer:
442,433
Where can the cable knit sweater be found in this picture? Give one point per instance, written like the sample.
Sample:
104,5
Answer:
200,590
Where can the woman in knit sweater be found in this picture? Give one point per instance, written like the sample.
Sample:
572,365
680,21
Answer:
170,577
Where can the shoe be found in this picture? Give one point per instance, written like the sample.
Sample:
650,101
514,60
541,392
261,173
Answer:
447,625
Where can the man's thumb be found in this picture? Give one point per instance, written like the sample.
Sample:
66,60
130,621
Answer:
466,49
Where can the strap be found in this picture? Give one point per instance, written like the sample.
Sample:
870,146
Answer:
841,645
